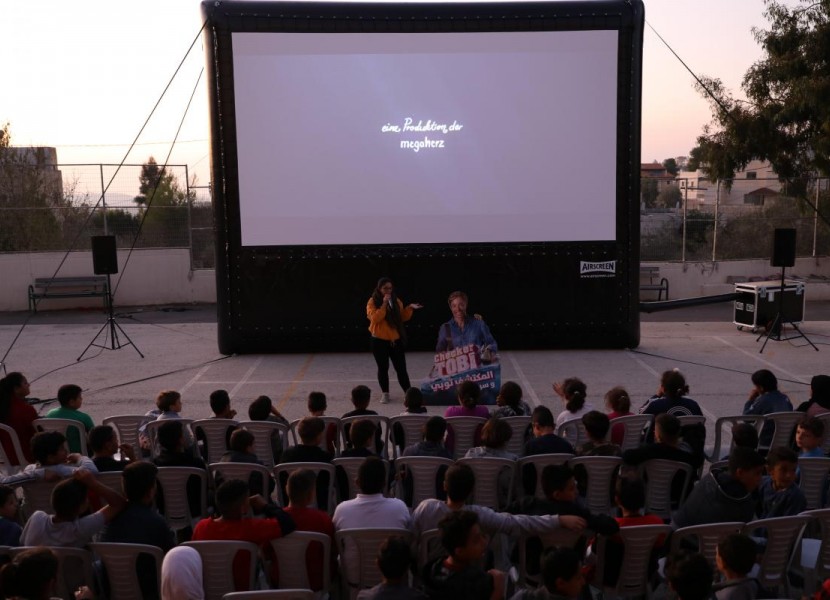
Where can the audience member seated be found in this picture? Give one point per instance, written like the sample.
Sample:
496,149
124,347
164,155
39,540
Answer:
182,574
618,400
361,396
140,523
262,409
778,494
671,398
168,406
597,425
573,392
735,558
220,404
242,451
433,443
10,529
104,444
469,393
317,406
724,496
69,501
311,431
509,401
562,577
301,499
765,399
819,402
458,484
31,575
361,442
630,497
494,438
171,439
809,437
53,460
234,504
413,402
17,414
689,576
545,441
666,446
70,398
744,435
460,575
393,561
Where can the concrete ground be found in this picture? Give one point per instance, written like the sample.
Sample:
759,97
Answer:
179,344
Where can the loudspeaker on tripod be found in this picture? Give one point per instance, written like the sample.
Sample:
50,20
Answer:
104,257
783,248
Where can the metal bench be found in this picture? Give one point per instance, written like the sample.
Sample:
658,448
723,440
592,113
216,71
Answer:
67,287
652,273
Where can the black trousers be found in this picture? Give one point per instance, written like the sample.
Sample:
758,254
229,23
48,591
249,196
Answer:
384,351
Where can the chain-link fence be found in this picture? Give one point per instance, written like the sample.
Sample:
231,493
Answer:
49,208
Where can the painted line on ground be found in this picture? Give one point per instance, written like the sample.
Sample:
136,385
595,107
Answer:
194,379
246,377
297,379
526,387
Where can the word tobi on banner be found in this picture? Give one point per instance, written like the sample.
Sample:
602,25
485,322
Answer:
461,364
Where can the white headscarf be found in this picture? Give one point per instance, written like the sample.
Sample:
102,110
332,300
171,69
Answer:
181,575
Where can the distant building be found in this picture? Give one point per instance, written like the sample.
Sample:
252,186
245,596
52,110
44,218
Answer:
754,186
25,168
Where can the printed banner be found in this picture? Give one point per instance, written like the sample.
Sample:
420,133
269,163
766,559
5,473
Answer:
464,363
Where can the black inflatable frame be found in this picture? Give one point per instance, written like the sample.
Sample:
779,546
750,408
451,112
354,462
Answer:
532,295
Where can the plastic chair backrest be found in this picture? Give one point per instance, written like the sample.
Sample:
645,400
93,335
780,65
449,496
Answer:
111,479
37,495
691,420
782,533
8,462
707,536
429,548
290,554
262,431
521,433
74,569
358,550
422,470
318,468
488,472
243,471
540,461
823,562
825,418
126,428
216,436
218,558
328,421
271,595
151,431
720,432
464,431
119,560
63,426
633,428
412,427
813,480
785,424
573,431
638,545
350,466
173,483
658,474
601,471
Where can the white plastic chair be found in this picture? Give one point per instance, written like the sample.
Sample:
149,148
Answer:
488,477
350,466
271,595
335,421
691,420
318,468
573,431
825,418
37,495
601,471
412,427
422,471
8,467
215,433
232,470
724,423
429,548
658,474
378,420
822,566
638,545
464,431
63,426
74,568
521,433
785,424
120,563
111,479
813,482
218,558
633,428
539,462
358,550
290,555
707,537
263,430
173,482
782,533
151,431
126,428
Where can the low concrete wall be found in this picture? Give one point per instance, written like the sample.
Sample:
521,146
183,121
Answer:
153,276
689,280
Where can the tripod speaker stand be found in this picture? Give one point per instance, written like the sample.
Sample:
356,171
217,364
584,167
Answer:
783,255
105,262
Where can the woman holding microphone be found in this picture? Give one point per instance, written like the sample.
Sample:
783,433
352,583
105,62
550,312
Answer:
387,314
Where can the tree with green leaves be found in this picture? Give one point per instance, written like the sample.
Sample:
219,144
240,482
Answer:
166,205
648,192
786,117
669,197
671,166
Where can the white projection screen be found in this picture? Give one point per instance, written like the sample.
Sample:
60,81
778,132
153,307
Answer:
426,137
487,147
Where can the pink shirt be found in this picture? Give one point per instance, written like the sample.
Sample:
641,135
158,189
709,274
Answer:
463,411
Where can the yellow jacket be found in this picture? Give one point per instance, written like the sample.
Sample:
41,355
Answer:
379,327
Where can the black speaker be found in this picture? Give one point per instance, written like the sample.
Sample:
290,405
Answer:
104,258
783,248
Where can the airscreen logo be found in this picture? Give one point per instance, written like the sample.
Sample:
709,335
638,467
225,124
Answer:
589,270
